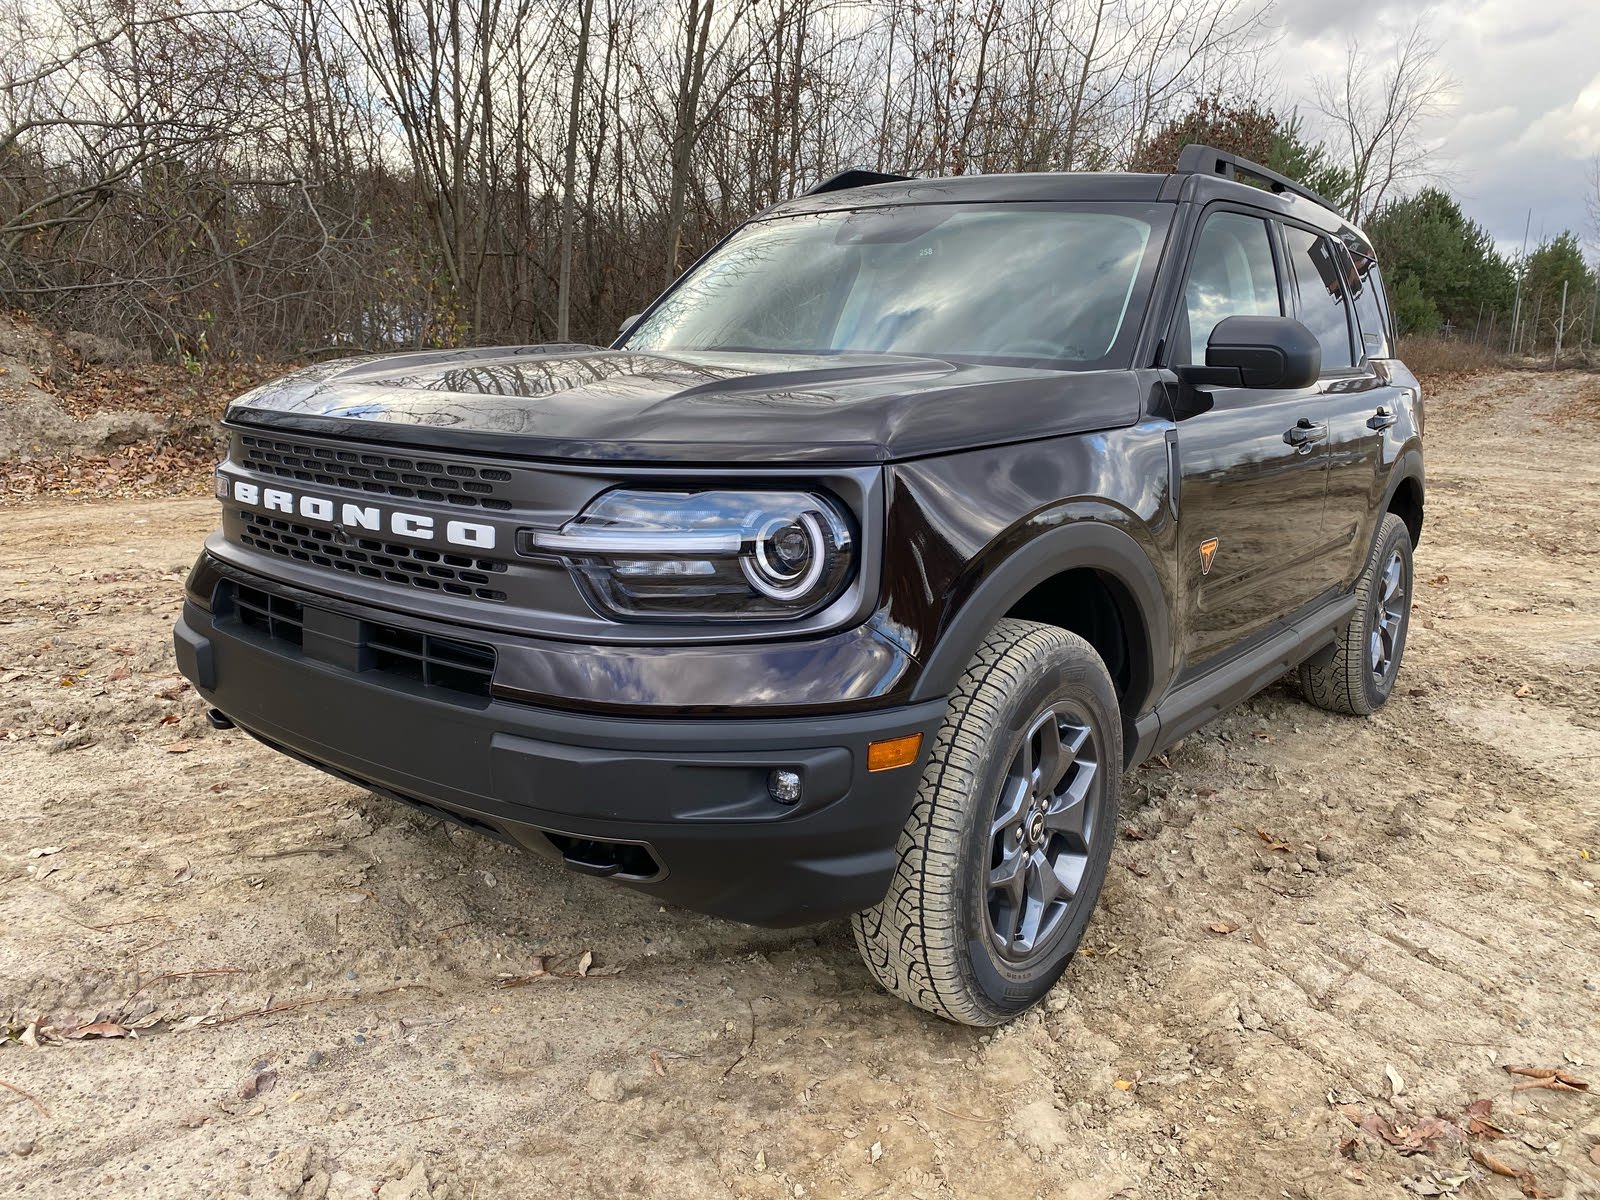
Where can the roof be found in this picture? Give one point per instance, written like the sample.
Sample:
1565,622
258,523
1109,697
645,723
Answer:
1069,186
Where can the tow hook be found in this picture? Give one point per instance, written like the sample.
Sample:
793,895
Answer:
218,719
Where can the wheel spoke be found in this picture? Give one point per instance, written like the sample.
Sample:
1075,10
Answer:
1069,811
1376,648
1007,878
1054,758
1013,803
1069,870
1391,580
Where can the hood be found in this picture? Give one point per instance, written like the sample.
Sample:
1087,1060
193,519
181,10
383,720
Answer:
584,403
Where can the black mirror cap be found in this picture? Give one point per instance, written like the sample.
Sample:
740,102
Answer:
1259,352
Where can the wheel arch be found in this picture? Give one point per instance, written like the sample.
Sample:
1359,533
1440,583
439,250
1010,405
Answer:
1405,491
1061,564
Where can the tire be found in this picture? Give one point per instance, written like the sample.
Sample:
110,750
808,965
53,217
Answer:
1357,674
947,937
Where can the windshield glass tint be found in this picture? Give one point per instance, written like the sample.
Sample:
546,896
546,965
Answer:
1059,283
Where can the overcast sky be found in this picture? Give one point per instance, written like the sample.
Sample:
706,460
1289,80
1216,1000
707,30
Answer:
1523,125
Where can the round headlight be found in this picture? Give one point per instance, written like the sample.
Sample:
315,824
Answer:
717,554
788,557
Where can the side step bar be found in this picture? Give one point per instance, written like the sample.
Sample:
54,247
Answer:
1211,694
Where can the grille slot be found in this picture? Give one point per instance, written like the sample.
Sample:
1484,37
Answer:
425,658
409,566
281,620
433,661
460,484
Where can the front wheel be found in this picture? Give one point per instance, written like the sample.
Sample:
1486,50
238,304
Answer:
1003,856
1357,673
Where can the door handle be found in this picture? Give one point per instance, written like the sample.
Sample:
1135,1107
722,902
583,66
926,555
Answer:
1305,434
1381,419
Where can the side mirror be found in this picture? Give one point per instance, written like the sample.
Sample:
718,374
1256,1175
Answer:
627,324
1258,352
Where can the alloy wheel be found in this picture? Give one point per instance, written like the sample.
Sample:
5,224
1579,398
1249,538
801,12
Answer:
1041,832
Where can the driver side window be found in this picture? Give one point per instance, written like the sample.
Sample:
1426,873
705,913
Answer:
1231,275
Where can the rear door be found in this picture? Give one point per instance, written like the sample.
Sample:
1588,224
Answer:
1252,463
1359,402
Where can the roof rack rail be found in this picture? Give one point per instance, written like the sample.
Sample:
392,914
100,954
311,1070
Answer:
1196,159
853,177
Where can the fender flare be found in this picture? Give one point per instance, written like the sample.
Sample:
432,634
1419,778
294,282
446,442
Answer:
1407,468
1091,543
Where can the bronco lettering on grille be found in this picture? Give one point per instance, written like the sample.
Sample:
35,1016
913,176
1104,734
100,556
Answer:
370,517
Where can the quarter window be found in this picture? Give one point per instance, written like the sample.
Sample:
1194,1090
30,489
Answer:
1231,276
1370,308
1324,306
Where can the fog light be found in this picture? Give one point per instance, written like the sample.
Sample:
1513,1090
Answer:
784,786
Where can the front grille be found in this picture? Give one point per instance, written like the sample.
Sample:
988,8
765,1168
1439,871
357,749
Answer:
460,484
425,658
412,566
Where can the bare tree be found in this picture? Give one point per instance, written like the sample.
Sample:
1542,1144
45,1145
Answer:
1380,107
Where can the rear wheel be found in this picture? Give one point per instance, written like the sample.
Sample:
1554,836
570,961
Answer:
1358,673
1003,856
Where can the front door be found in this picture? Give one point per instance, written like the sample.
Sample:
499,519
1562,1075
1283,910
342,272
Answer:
1252,465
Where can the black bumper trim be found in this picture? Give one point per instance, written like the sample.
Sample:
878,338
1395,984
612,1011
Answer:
691,790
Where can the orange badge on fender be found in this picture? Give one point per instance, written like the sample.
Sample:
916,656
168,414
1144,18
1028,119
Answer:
1208,552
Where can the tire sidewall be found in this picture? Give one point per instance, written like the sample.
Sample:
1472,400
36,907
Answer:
1010,989
1393,536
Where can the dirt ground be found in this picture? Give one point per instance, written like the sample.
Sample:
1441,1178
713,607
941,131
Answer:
1311,922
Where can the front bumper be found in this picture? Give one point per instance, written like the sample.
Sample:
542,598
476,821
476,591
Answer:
676,807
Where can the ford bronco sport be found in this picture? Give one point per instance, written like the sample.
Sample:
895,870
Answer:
852,577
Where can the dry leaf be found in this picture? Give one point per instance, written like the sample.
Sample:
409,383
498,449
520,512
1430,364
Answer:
585,963
100,1029
1523,692
1123,1085
44,851
656,1065
179,747
1554,1078
117,673
1397,1086
1272,842
1221,927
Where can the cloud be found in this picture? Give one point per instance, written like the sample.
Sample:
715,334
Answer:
1524,120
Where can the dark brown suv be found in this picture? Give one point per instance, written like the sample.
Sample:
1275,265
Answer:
851,578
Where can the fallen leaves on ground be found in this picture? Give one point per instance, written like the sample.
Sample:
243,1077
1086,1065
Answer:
1524,1177
99,1029
1273,843
1554,1078
1423,1137
1223,927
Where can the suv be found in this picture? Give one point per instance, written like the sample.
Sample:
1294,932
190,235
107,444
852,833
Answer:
853,576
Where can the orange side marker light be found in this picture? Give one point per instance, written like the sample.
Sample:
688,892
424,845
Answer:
896,752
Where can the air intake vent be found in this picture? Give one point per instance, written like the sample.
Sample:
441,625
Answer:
425,658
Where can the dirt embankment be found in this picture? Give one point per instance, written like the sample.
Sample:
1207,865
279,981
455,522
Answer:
1322,942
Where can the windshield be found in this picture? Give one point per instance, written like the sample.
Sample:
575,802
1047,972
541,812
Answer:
1059,284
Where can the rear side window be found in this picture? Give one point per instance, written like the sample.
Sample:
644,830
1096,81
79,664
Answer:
1231,275
1372,308
1324,307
